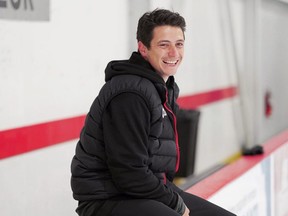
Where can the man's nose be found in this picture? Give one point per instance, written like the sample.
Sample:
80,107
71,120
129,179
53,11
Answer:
173,51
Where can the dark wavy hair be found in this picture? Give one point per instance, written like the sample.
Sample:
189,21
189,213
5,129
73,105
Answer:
158,17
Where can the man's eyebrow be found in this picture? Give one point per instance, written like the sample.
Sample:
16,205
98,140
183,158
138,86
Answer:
167,41
164,41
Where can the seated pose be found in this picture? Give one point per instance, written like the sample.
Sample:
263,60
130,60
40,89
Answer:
128,150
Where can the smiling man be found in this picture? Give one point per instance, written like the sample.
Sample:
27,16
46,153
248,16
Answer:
165,51
128,152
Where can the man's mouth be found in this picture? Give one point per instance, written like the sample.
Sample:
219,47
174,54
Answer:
171,62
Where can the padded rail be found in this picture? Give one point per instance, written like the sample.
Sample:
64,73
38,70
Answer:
252,185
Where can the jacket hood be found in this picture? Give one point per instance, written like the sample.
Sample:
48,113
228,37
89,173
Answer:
136,65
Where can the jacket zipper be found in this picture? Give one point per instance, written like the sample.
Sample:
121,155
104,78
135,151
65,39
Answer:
175,132
164,178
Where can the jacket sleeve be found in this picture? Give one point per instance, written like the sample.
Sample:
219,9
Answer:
126,125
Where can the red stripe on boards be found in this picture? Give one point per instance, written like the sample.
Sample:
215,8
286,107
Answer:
24,139
197,100
213,183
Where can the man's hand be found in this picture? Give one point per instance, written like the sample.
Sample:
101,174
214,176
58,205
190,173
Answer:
187,211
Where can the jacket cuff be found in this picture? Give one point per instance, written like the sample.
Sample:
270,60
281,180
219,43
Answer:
180,205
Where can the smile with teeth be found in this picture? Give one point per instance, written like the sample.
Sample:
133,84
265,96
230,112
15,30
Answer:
171,62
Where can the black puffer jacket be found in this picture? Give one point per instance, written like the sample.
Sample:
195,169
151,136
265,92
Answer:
128,145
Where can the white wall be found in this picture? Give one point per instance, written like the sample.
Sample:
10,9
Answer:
38,182
273,67
209,64
53,70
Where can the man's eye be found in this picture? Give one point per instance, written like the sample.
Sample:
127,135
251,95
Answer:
180,45
163,45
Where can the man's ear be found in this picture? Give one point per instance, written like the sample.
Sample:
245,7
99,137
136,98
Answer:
142,49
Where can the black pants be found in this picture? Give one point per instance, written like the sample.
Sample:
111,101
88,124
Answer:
140,207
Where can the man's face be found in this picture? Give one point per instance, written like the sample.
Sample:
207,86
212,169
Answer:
166,50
